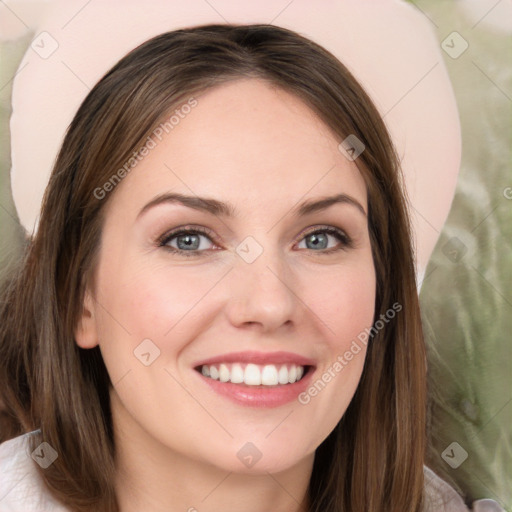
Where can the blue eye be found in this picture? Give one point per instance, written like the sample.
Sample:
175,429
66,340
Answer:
320,239
188,240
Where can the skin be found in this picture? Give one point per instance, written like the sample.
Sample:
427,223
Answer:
265,152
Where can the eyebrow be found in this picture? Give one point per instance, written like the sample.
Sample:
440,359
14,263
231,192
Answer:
222,209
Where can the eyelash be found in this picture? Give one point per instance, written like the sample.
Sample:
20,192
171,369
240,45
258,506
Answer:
162,241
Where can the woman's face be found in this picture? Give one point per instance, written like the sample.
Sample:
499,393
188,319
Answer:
254,296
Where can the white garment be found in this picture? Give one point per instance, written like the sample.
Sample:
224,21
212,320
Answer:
21,488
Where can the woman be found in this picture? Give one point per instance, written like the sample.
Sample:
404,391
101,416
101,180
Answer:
219,307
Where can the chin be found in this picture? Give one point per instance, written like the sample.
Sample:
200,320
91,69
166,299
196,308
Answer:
261,457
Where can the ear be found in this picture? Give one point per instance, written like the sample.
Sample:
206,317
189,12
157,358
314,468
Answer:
86,335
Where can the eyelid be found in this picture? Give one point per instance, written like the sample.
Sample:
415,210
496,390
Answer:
344,239
162,239
325,228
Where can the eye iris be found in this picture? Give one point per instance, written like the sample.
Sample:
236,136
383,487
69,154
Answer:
318,240
191,241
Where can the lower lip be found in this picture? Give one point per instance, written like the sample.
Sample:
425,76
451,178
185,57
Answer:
259,396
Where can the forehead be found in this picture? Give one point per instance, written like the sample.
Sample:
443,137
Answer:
245,141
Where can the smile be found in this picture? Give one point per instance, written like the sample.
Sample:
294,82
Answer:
254,374
257,379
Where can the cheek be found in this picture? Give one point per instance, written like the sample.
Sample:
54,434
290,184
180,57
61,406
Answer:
146,298
345,302
150,301
141,301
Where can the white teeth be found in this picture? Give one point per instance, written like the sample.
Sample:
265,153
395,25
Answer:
283,375
237,374
269,375
223,373
253,374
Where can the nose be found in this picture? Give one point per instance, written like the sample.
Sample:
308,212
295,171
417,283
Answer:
262,293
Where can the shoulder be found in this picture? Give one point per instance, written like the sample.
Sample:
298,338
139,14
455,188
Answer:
21,488
441,497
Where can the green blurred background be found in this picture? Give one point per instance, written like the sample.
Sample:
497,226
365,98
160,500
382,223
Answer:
466,295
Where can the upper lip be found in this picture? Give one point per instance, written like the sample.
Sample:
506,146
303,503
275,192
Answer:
258,358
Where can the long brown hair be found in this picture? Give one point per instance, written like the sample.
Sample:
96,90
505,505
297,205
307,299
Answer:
373,459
